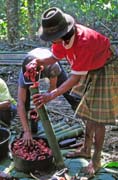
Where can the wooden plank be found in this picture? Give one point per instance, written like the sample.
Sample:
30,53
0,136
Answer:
11,58
16,58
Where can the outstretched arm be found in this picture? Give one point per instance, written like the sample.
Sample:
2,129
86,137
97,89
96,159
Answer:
41,99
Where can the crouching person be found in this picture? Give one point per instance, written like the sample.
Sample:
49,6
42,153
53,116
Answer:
8,108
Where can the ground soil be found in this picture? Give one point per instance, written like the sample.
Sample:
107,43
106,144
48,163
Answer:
59,109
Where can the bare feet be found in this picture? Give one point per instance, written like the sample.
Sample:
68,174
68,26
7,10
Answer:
91,169
82,152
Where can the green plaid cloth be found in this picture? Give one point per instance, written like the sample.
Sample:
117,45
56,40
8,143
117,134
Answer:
99,91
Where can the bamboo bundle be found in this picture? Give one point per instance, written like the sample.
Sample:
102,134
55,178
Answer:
56,129
59,124
66,130
70,134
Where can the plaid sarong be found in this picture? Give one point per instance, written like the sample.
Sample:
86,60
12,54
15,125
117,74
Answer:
99,91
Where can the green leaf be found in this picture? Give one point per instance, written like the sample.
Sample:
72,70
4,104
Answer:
112,164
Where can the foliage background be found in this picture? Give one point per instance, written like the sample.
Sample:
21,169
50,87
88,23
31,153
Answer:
95,14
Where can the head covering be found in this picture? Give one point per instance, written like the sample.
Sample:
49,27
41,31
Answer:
55,24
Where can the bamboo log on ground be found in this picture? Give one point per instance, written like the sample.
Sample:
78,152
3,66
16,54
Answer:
69,129
63,130
59,124
56,129
67,135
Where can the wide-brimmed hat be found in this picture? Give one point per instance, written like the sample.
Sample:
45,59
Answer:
55,24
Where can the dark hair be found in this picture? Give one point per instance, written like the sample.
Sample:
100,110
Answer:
27,60
69,34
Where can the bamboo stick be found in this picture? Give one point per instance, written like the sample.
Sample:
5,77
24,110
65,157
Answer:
63,129
49,132
56,128
69,129
59,124
67,135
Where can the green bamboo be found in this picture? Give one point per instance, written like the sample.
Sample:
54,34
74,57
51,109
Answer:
62,128
56,129
69,129
59,124
49,132
70,134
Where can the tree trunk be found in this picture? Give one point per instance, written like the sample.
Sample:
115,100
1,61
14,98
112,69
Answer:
32,21
12,20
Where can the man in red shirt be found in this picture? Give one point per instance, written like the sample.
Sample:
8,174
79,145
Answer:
94,75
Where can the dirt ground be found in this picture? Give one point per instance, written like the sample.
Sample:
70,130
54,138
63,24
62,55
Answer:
60,108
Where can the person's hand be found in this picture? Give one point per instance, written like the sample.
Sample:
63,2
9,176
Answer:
27,138
5,105
40,99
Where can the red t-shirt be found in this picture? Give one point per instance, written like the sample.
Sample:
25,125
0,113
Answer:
89,50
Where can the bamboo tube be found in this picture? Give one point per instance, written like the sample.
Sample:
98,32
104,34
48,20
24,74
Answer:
49,131
55,129
62,128
67,129
67,135
59,124
58,130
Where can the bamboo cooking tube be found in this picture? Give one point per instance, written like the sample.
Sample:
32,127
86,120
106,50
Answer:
48,130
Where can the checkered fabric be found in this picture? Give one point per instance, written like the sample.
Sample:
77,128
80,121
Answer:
99,91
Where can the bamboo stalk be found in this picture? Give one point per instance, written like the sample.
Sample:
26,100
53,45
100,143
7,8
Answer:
49,132
67,135
63,129
59,124
69,129
57,128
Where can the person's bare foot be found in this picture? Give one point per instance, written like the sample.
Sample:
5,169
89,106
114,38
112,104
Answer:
91,169
80,152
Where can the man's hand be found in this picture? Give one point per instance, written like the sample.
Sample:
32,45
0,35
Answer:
27,138
5,105
40,99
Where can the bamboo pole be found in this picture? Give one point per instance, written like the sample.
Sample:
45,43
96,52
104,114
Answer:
74,133
66,130
56,128
49,131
